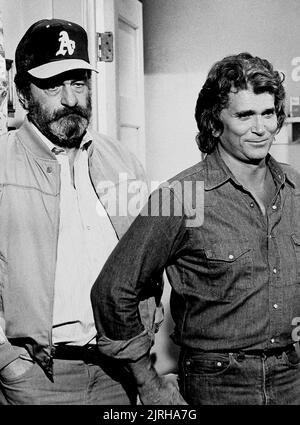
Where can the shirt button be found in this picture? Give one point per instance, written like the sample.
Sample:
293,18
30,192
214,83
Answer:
219,364
274,207
252,204
275,306
231,257
49,170
274,271
272,340
279,176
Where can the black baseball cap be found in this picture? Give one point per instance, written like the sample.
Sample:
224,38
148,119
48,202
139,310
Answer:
52,46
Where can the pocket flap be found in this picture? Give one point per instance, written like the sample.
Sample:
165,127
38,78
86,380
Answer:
228,252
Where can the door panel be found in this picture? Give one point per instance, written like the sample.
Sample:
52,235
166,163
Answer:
121,88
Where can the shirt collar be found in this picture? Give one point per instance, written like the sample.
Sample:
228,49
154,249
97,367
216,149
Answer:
281,175
86,141
217,172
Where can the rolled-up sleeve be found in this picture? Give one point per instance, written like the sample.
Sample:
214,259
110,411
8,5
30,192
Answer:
130,278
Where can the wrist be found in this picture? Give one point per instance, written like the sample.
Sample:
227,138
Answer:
143,371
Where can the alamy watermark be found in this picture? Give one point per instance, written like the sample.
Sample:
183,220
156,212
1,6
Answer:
296,330
130,197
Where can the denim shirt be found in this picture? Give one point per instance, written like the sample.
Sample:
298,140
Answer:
235,277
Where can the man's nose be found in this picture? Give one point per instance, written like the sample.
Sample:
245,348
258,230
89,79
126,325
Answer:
68,97
258,125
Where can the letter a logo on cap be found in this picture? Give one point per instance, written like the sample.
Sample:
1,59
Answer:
66,45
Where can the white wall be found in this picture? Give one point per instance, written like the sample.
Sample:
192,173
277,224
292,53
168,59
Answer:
18,15
183,38
12,24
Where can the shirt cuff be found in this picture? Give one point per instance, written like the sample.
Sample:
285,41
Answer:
7,354
130,350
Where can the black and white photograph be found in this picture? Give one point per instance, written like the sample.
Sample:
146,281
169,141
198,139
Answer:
149,205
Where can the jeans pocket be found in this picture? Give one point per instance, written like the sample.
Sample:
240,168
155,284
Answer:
23,376
208,364
203,377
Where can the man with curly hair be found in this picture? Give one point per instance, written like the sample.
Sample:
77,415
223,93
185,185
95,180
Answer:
234,270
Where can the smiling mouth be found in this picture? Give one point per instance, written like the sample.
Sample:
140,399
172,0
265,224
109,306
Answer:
258,141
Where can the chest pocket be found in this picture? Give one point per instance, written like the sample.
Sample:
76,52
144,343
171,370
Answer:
221,270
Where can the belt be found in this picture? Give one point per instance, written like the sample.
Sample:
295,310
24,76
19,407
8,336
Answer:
73,352
276,351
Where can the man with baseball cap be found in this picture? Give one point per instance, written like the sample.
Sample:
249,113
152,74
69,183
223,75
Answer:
55,233
52,46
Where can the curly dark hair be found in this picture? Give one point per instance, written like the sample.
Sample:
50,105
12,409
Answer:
241,71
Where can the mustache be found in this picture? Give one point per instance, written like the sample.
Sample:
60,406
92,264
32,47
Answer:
76,110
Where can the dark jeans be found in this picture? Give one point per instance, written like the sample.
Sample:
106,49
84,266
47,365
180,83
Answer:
227,379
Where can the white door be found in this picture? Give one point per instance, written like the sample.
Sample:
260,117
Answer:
121,82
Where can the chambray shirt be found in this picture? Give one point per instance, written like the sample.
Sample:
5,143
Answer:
235,277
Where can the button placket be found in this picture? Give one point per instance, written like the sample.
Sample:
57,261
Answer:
187,364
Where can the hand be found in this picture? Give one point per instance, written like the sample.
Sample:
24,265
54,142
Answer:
152,388
161,391
15,369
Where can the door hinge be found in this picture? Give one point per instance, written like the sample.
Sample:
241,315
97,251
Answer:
105,46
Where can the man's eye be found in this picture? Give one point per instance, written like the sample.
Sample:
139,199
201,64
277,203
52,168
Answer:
269,115
244,117
78,85
53,89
